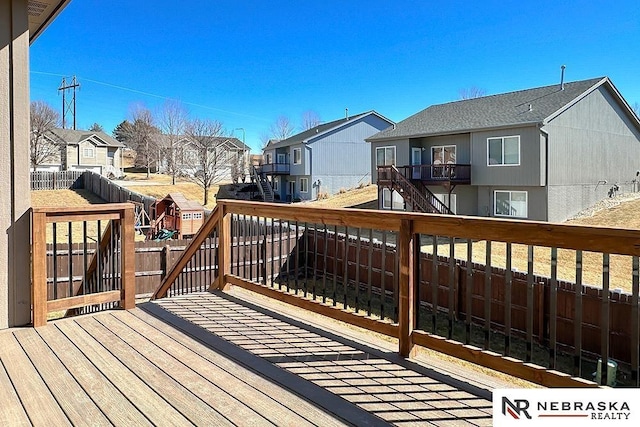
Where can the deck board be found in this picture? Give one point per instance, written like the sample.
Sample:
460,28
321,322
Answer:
183,389
43,410
73,400
116,407
143,397
11,410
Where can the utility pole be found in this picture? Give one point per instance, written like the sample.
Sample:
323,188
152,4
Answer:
68,106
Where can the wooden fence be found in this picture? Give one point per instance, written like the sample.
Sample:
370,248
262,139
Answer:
47,180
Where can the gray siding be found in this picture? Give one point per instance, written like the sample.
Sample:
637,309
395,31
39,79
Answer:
403,152
530,172
536,200
461,141
466,198
304,168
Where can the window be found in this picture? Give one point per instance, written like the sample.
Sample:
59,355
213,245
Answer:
510,203
268,158
445,199
88,152
197,215
275,183
385,156
392,200
297,156
186,216
503,151
304,185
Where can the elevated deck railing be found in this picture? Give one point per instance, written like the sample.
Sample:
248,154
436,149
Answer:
433,174
99,271
529,299
275,168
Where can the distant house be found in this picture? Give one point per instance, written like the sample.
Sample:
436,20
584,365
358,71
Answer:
228,156
542,154
84,150
323,159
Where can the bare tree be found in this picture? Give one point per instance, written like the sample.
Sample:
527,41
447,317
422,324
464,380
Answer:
209,153
310,119
264,140
96,127
471,92
143,132
636,108
172,120
282,128
43,143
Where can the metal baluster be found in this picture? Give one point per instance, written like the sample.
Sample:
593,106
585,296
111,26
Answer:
417,269
345,265
325,249
577,320
383,273
297,258
508,283
635,322
369,271
434,285
553,310
487,297
315,260
452,286
530,312
469,295
335,264
70,259
605,328
358,249
306,258
55,260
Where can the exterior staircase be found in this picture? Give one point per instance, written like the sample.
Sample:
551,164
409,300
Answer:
418,196
263,185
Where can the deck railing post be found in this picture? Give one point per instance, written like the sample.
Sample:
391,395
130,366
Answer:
224,247
128,291
406,285
39,267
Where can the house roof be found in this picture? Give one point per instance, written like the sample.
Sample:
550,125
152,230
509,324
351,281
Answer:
305,136
522,107
73,136
182,203
230,141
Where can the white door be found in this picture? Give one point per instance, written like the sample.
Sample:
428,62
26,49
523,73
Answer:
416,160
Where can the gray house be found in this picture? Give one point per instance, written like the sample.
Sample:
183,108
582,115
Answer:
323,159
542,154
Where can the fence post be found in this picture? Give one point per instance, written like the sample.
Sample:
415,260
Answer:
39,268
128,292
224,247
406,285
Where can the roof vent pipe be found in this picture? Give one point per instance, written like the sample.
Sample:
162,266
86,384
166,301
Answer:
562,67
346,113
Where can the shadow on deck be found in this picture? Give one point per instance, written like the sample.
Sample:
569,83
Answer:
210,359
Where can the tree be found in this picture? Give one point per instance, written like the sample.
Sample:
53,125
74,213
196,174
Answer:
44,145
282,128
310,119
209,155
124,133
143,131
471,92
172,120
96,127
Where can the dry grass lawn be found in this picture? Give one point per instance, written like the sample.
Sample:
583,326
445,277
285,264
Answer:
350,198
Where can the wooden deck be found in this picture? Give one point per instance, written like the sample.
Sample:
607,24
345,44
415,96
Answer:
214,359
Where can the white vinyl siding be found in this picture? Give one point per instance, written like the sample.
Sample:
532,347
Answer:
510,203
297,156
304,185
88,152
385,156
503,151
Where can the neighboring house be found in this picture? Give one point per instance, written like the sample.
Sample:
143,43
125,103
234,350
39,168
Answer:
228,156
85,150
543,154
324,159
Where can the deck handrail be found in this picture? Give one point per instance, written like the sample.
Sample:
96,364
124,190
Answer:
407,227
121,213
210,224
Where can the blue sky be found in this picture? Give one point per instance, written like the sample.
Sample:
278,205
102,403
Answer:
245,63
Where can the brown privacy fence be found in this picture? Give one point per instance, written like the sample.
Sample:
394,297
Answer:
62,180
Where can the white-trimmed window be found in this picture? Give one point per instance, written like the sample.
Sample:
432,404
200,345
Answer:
392,200
276,181
304,185
297,156
503,151
267,158
446,198
510,203
186,216
385,156
88,152
197,215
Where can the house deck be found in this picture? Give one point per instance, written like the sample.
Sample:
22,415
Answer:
211,359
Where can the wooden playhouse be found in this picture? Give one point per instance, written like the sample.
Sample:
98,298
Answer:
175,213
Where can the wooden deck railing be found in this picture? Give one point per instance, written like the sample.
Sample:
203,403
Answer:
385,271
101,238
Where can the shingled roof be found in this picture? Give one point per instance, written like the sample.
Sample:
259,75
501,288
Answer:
306,135
73,136
507,109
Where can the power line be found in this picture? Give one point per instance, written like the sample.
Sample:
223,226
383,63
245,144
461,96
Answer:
68,105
